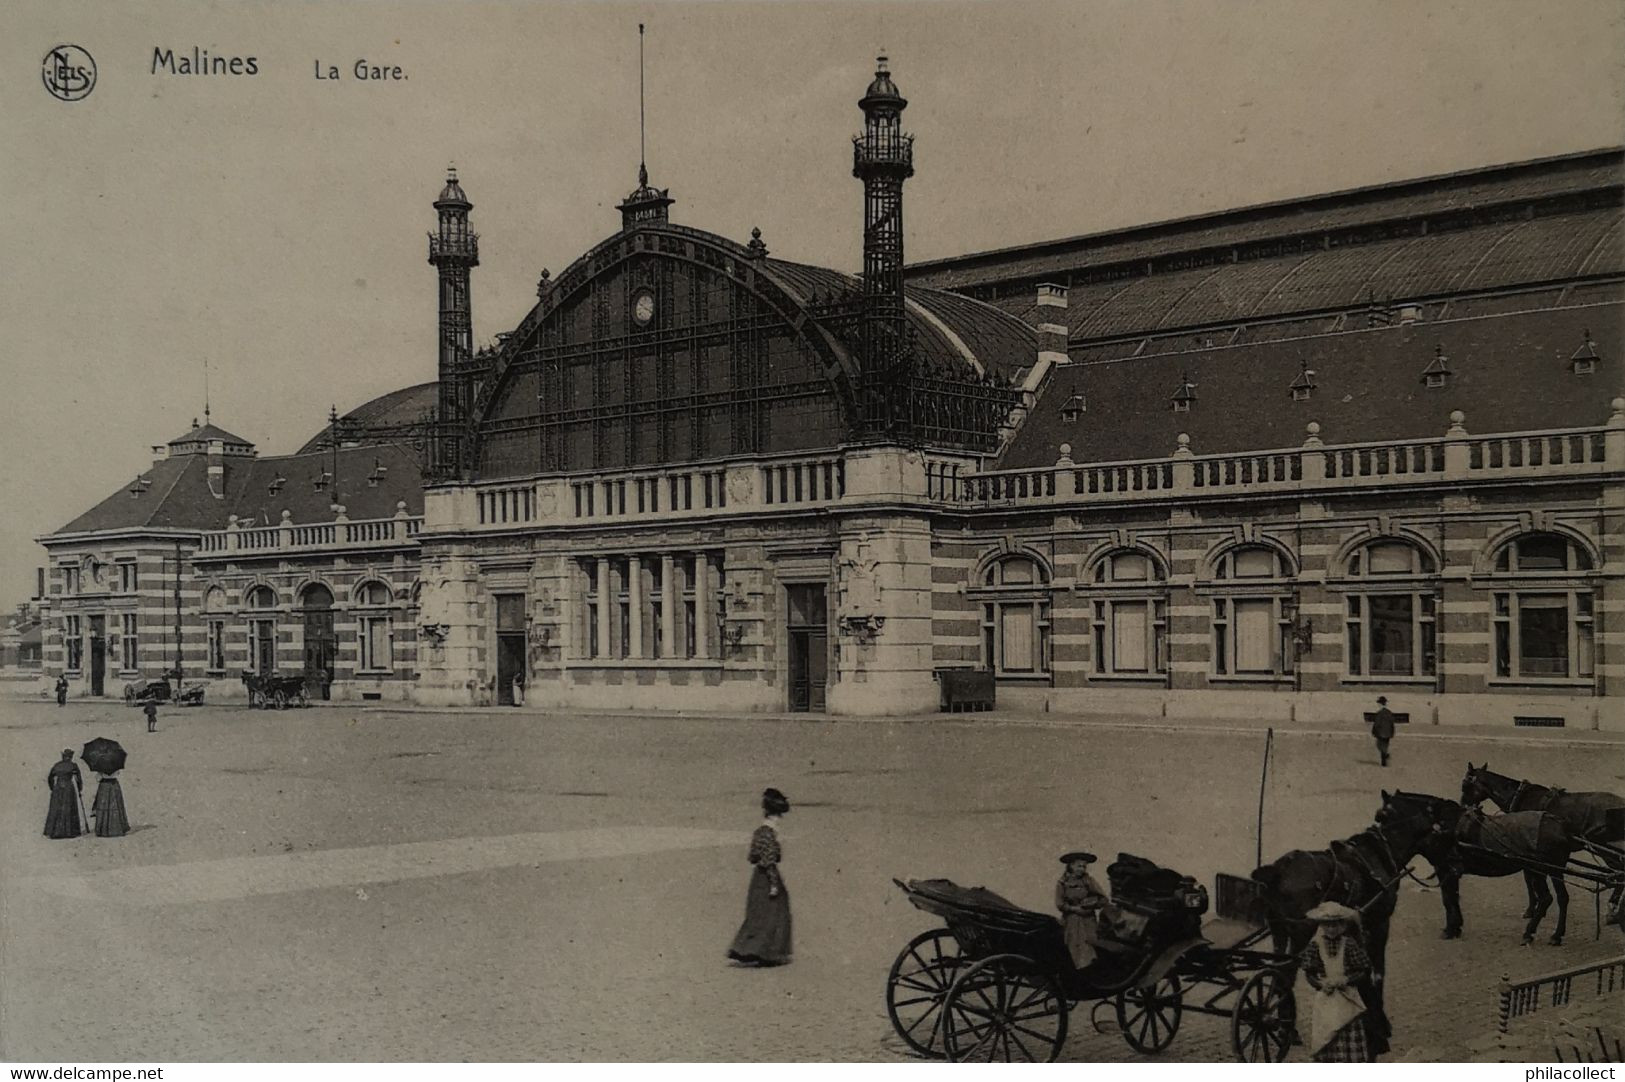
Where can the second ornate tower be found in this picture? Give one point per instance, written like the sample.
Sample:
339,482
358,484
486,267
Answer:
882,157
454,250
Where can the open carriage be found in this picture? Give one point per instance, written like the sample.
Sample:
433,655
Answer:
275,691
998,982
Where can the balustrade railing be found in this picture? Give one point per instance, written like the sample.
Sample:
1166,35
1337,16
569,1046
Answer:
287,536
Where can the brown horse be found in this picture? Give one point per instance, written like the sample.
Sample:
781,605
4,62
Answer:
1596,817
1537,844
1361,872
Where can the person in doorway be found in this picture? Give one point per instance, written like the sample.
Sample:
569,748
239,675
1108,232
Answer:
1081,902
764,937
1335,964
66,785
62,691
151,710
518,689
108,808
1382,727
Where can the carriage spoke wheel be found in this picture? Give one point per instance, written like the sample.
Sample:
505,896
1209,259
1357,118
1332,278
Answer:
1149,1016
279,699
916,986
1002,1009
1263,1020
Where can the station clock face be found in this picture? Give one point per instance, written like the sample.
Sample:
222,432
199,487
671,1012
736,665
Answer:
643,308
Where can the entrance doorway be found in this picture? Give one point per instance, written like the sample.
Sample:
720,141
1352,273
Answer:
510,647
263,647
321,642
807,627
98,654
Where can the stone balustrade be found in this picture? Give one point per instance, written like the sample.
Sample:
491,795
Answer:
1454,457
287,536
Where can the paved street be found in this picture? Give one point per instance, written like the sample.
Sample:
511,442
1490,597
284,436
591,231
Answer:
333,884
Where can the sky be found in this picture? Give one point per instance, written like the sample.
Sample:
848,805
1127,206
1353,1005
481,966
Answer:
271,228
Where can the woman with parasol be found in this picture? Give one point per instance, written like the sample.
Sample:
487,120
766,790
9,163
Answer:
764,937
1335,965
67,789
107,758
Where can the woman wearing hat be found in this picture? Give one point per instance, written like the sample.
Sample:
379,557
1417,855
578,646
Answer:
1334,964
1080,900
764,938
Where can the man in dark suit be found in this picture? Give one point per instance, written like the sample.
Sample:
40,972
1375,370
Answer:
1382,727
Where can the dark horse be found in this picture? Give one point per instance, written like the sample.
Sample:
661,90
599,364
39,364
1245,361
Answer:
1598,818
1535,843
1361,872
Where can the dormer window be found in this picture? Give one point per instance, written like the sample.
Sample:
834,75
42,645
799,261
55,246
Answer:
276,484
379,470
1583,361
1304,384
1437,373
1185,396
321,480
1074,408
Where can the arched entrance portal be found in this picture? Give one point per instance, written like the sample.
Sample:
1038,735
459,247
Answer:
321,642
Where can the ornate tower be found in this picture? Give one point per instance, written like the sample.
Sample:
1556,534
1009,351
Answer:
454,250
882,157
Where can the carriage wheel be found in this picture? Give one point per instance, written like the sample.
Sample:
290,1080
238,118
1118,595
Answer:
1262,1022
1003,1009
1149,1016
279,699
915,988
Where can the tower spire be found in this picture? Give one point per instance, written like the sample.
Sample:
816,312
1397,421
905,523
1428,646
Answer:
205,390
454,249
646,203
883,158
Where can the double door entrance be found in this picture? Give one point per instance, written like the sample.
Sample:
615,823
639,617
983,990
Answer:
98,655
510,649
807,628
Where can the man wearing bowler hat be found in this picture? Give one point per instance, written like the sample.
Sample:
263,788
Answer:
1382,727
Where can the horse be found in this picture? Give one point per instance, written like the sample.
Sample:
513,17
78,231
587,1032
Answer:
1458,848
1361,872
1596,817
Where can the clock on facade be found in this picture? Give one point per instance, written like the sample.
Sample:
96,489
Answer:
643,308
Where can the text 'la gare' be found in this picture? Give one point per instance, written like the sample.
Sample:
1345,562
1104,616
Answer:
362,71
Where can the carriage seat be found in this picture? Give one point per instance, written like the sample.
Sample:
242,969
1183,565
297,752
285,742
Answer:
1149,899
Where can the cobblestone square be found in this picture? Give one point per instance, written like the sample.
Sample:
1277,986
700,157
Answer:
335,884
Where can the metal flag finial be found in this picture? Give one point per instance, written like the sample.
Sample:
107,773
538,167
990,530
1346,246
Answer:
643,157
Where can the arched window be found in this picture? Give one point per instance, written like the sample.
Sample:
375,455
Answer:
1391,604
262,632
373,593
375,629
1543,609
1252,621
316,596
1129,615
1015,595
215,601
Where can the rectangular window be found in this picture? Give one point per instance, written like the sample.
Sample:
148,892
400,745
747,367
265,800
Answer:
72,639
589,568
989,657
1503,635
217,646
128,639
126,577
1427,630
1016,637
376,643
1543,635
688,566
1355,625
70,578
1585,651
623,605
1221,636
1159,636
1392,635
1099,628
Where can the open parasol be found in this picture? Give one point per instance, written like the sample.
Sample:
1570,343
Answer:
104,756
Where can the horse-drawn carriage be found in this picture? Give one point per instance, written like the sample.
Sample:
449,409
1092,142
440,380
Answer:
275,691
142,692
998,982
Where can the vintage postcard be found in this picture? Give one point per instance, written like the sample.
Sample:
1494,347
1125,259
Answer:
812,531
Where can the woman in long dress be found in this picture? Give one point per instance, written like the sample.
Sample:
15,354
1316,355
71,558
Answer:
1080,900
764,937
1334,964
66,785
108,808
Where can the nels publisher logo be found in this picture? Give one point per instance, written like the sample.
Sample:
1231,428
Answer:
69,73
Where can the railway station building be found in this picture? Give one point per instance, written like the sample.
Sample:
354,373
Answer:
1267,463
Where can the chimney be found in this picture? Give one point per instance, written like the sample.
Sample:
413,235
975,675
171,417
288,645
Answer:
1052,335
1409,313
217,469
39,583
